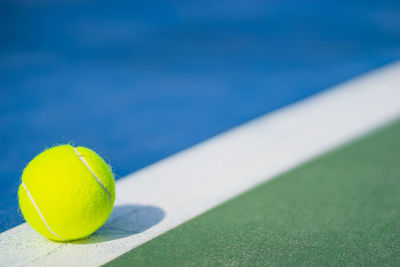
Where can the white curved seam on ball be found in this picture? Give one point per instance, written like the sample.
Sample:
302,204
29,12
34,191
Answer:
38,211
82,158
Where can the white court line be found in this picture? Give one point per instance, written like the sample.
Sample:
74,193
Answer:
202,177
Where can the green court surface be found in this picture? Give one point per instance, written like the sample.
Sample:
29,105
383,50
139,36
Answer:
340,209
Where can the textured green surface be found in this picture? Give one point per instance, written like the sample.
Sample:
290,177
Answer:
340,209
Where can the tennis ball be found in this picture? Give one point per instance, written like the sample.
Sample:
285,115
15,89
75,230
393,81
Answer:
66,192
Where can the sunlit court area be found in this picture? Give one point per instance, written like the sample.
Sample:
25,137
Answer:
199,133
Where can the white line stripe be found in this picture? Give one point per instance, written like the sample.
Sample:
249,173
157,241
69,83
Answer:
82,158
38,211
197,179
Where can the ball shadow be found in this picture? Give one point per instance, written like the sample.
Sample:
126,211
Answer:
124,221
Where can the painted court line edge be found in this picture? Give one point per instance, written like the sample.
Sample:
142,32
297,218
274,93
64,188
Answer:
197,179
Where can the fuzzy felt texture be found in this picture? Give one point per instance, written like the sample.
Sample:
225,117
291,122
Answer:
70,199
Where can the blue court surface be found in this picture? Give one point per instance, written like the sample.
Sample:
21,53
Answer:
138,81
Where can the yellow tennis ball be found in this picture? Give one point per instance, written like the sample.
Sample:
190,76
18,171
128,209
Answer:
66,192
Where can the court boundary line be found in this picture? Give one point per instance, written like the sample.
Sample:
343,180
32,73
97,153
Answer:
202,177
